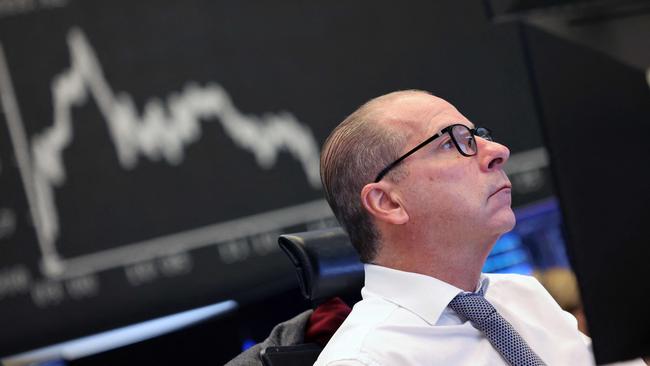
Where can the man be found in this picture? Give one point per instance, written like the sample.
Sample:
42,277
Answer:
422,193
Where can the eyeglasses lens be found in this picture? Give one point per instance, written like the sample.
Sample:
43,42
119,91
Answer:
465,139
484,133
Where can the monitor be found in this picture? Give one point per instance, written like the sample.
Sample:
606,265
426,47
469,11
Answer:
594,112
151,152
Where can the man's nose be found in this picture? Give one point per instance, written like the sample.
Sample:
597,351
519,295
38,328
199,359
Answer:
492,154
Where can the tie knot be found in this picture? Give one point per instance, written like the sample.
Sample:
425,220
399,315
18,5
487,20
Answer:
472,306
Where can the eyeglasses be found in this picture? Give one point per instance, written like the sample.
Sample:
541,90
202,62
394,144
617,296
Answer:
461,135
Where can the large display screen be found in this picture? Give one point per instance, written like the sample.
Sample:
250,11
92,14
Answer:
151,152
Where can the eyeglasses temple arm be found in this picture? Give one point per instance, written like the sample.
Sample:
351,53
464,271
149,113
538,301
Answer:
390,166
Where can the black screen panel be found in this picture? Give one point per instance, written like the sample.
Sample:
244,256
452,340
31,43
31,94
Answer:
595,111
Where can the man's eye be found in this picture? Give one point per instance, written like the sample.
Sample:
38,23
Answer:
447,145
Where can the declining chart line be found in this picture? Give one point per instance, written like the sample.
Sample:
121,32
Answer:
161,132
19,140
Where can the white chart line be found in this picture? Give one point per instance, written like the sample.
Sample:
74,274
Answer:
195,238
160,132
21,149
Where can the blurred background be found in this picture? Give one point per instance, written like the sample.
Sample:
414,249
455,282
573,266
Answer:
151,152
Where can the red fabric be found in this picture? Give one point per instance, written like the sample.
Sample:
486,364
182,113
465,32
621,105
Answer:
325,320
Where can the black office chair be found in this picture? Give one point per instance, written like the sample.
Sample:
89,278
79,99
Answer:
326,263
327,266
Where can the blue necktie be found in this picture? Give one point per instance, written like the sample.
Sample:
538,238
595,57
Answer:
499,332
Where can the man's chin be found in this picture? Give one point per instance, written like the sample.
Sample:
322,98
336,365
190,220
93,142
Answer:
507,222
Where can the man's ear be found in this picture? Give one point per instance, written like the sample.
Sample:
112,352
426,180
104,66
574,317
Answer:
378,201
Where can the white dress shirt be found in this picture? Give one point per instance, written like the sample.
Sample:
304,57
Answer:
403,319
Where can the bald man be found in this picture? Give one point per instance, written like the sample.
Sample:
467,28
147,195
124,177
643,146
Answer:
421,191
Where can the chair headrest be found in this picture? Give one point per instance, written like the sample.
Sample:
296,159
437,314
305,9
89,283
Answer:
326,262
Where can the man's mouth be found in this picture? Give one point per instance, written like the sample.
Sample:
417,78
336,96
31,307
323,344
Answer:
507,186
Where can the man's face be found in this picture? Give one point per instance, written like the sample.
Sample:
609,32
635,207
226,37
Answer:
443,190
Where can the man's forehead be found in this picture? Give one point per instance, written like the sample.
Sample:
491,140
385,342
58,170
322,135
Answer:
421,113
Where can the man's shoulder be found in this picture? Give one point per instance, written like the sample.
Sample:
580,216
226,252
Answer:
353,340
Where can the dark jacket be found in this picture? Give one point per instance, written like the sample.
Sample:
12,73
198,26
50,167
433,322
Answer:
290,332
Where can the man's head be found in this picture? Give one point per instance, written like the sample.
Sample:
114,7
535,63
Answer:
435,194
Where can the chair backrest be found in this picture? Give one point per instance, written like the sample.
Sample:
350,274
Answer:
326,262
327,266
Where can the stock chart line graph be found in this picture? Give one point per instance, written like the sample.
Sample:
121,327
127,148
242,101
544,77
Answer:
160,133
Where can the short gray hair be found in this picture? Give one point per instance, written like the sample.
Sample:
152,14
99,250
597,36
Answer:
352,156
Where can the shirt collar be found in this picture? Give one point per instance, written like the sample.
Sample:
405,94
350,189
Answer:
423,295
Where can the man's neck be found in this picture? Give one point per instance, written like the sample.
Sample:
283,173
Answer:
458,264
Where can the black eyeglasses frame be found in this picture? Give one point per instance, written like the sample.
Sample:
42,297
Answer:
482,132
